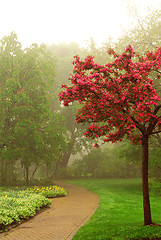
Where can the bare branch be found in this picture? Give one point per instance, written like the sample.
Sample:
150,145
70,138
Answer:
157,108
155,132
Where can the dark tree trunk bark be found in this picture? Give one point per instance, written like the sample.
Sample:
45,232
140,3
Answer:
2,173
64,162
68,153
145,184
27,175
66,158
47,171
34,172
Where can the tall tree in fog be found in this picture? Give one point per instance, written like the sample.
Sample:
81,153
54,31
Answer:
118,99
99,52
145,35
75,141
27,132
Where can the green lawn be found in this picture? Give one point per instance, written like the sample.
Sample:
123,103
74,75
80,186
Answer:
120,212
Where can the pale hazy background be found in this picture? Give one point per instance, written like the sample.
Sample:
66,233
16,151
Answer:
55,21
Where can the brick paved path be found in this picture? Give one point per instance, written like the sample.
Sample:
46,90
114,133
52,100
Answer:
62,220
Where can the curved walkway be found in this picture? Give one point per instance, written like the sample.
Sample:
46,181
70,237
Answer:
62,220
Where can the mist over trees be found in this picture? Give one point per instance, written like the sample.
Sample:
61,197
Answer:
119,99
38,136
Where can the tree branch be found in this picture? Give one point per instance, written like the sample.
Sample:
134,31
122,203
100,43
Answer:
152,125
156,132
155,70
157,108
138,125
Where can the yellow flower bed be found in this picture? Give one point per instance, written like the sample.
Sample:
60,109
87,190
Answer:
49,191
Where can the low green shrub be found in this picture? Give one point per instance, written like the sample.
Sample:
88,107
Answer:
49,191
18,203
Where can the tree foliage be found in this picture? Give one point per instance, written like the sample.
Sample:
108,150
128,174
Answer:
28,129
118,99
145,35
75,141
120,95
117,160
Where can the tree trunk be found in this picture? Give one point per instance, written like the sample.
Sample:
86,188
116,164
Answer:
65,159
12,174
47,170
34,171
66,156
145,185
27,175
2,172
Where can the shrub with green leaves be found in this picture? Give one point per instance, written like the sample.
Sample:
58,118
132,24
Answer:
17,205
49,191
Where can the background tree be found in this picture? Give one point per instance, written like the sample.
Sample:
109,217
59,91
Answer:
117,160
75,141
99,52
145,36
155,157
119,100
27,130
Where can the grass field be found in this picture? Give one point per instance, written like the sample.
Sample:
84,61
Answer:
120,212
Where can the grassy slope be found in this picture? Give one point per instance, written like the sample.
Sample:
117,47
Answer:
120,213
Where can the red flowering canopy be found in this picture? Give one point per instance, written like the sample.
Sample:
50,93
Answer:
118,98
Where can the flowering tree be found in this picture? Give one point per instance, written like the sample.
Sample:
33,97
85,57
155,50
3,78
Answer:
119,99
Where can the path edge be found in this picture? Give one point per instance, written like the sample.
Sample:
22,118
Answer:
72,234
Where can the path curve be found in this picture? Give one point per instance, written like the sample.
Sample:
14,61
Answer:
62,220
